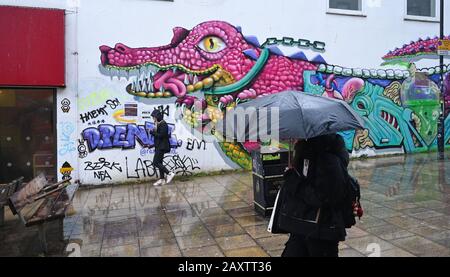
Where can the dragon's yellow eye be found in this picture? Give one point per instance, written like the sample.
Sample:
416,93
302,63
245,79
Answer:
212,44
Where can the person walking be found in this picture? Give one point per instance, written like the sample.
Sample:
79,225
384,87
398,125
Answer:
315,190
162,147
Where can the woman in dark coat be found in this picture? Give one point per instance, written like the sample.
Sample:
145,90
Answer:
162,146
312,211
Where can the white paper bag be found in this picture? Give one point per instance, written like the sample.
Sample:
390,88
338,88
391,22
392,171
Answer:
269,228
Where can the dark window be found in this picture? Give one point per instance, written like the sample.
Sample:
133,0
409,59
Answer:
353,5
421,8
27,134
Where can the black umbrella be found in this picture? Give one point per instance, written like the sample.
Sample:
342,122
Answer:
288,115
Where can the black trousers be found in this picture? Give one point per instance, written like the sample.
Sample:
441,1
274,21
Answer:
158,163
300,246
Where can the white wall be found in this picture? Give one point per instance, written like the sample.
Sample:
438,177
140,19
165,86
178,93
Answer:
351,42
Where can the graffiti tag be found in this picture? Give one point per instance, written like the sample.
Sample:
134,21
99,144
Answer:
85,117
65,105
66,143
95,98
195,144
165,110
94,114
184,166
102,168
82,153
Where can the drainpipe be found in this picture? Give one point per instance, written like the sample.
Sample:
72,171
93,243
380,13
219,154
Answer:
441,124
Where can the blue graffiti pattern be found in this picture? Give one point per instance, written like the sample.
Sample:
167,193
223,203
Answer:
124,136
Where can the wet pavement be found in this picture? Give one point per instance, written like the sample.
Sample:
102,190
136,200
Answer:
406,202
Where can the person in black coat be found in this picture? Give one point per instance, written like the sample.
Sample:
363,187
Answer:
312,209
162,146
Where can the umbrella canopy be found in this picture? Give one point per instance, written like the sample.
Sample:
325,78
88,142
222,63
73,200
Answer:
288,115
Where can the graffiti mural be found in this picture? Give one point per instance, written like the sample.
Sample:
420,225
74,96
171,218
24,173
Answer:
124,136
230,68
399,114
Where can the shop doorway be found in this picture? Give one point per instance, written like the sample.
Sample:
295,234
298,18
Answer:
27,134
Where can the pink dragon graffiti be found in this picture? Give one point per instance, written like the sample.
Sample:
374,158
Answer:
213,54
228,67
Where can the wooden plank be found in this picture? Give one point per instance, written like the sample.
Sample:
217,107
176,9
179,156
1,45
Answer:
51,189
26,195
54,206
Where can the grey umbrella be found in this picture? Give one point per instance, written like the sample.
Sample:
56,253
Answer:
288,115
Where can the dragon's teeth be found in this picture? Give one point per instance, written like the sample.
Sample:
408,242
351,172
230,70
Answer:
150,76
150,86
322,68
357,72
366,73
144,85
373,73
138,85
399,74
390,74
330,68
381,73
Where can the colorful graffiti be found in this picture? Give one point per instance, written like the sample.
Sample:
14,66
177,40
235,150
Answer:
214,57
396,114
230,68
414,50
66,170
96,98
107,136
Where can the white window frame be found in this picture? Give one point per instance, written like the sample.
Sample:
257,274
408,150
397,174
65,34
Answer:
435,19
347,12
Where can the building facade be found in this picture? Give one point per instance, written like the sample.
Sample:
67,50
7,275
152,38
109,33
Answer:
84,112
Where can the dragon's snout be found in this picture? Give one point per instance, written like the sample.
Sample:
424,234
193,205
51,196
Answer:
112,56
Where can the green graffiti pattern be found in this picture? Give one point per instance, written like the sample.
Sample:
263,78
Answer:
390,124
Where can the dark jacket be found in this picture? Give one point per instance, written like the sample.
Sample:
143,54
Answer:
312,205
161,134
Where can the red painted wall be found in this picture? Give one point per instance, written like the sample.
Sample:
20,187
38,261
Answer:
31,47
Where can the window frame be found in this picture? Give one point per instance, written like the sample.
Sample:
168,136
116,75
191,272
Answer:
335,11
432,19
